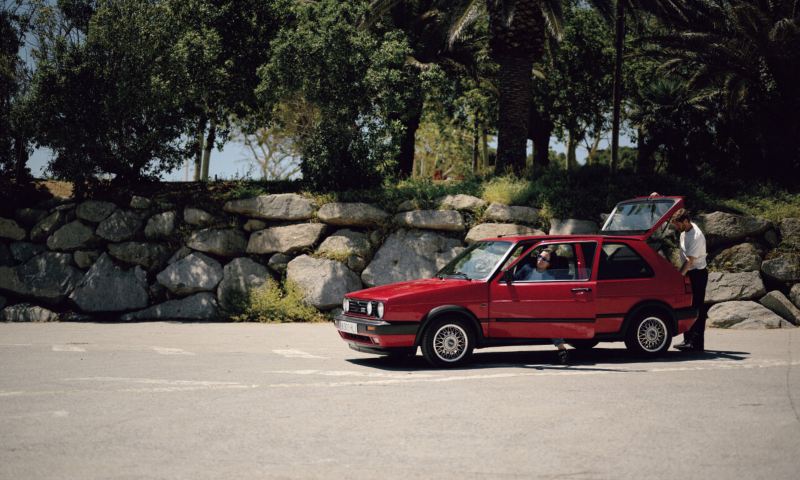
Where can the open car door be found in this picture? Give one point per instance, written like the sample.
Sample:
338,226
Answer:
642,216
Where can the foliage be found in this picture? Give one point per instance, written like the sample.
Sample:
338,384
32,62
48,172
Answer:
508,190
269,303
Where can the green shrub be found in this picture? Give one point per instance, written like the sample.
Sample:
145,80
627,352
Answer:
508,190
270,304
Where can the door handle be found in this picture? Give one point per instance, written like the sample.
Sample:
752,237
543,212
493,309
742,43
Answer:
582,289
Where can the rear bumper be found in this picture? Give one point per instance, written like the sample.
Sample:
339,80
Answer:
377,336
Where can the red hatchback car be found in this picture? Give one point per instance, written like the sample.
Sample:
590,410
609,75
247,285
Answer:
613,286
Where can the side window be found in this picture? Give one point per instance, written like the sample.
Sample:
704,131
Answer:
585,270
618,261
547,263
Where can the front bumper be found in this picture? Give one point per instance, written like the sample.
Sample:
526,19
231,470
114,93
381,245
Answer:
376,336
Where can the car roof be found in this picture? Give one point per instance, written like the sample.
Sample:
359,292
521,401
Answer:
575,238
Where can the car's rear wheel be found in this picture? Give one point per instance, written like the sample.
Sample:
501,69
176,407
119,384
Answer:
448,342
648,335
583,344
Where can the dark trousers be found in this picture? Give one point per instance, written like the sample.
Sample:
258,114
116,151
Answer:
699,279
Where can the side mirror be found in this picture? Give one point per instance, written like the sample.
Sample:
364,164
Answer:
508,277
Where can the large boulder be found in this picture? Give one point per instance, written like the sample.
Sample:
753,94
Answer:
48,225
447,220
778,303
108,288
254,225
200,306
120,226
408,255
351,214
349,247
790,231
744,315
461,202
25,312
161,225
497,212
745,257
279,262
794,295
239,277
24,251
724,287
724,228
571,226
225,242
783,268
72,236
11,229
288,239
140,203
196,216
95,211
192,274
323,282
85,258
492,230
284,206
47,278
149,255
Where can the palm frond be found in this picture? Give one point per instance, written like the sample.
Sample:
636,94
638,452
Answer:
376,10
553,17
468,16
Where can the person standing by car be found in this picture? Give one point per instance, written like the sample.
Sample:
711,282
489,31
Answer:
693,264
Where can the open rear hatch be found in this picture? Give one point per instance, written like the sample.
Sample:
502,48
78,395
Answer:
642,216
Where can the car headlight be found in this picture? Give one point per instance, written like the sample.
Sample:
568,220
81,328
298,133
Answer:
346,305
369,308
380,309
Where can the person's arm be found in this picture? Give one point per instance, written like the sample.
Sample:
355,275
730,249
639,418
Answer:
687,265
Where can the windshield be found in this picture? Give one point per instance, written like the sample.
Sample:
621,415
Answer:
477,262
637,216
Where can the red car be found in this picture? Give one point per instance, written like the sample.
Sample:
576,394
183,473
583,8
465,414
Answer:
613,286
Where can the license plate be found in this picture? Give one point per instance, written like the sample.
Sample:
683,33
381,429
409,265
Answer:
348,327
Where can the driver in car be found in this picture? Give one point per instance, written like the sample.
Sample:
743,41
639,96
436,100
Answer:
541,271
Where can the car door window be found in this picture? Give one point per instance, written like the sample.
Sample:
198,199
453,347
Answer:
620,261
562,264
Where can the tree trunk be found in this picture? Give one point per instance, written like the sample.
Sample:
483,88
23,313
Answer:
21,160
212,135
475,146
198,152
514,80
572,145
619,32
645,161
540,129
484,147
411,119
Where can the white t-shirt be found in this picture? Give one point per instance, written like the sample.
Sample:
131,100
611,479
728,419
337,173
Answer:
693,244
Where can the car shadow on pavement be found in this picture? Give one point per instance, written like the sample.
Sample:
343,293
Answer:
586,360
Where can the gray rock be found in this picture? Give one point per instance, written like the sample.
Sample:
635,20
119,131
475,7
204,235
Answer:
352,214
24,251
447,220
95,211
721,228
6,258
195,273
72,236
11,229
744,316
745,257
120,226
790,232
492,230
3,301
179,254
86,258
284,206
196,216
253,225
794,295
161,225
771,237
226,242
408,255
140,203
25,312
407,205
108,288
279,262
65,207
352,248
30,216
778,303
571,226
323,282
239,277
461,202
148,255
47,278
201,306
48,225
784,268
724,287
497,212
288,239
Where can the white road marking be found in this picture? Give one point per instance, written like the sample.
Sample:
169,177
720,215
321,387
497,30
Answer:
171,351
67,348
54,414
351,373
16,344
295,354
163,385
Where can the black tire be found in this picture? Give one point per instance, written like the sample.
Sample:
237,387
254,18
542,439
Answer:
401,354
448,342
583,344
649,334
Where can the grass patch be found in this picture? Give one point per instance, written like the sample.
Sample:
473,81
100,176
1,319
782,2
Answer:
509,190
271,304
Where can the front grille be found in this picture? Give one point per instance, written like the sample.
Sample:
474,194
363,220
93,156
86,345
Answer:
356,338
358,306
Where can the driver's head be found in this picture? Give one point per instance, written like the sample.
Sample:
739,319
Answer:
543,259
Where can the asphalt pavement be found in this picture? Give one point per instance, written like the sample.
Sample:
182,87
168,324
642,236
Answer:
218,400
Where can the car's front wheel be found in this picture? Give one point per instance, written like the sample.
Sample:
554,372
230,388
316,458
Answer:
649,335
448,342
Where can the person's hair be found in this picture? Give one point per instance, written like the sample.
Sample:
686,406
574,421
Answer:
681,215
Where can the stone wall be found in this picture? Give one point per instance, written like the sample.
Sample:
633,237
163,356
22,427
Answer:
147,260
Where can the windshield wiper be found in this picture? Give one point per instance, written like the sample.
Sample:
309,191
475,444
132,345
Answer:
458,275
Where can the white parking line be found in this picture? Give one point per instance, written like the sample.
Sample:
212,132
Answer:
171,351
295,354
67,348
